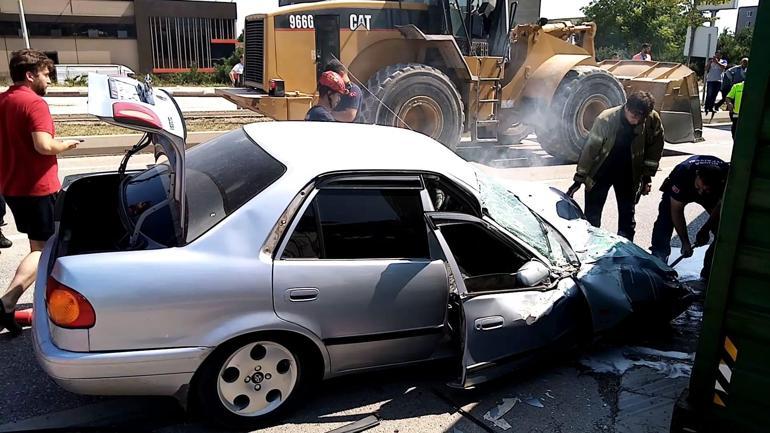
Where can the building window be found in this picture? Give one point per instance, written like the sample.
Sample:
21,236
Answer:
182,43
59,30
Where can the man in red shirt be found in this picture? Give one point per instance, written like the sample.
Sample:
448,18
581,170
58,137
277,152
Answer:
29,178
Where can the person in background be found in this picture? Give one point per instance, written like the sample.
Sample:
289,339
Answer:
733,76
644,54
331,90
236,74
347,110
734,99
623,151
714,70
698,179
4,241
29,179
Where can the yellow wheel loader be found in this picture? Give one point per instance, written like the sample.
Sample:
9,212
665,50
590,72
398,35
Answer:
449,67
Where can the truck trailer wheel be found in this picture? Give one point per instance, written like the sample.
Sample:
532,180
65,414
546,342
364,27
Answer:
418,97
584,92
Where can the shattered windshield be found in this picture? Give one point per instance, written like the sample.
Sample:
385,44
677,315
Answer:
507,210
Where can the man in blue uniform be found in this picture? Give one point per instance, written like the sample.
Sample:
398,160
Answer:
348,108
699,179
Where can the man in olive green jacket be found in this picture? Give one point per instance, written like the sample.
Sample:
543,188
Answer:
623,151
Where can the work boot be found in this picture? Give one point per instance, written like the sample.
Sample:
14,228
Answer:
8,321
4,241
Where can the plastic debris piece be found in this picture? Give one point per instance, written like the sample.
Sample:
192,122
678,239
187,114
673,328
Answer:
410,389
548,394
496,414
534,402
499,423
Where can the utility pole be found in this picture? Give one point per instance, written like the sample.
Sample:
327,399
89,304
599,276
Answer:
23,25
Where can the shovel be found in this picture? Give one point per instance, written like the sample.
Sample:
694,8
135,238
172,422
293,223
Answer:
680,258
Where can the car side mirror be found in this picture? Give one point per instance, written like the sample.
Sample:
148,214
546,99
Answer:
532,274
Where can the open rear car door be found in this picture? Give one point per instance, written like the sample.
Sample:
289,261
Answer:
135,105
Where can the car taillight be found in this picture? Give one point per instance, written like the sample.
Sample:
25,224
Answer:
68,308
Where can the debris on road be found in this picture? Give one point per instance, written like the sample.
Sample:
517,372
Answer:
359,426
619,360
496,414
534,402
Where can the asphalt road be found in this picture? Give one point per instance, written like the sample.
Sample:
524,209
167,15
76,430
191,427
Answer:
569,394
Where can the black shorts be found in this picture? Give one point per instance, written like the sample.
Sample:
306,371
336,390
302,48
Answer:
33,215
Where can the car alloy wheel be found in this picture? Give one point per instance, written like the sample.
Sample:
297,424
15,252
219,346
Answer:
257,378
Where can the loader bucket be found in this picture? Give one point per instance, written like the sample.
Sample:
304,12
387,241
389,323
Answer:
675,88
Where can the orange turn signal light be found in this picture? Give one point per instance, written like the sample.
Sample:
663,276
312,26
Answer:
68,308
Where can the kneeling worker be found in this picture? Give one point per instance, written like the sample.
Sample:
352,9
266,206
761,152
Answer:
331,89
699,179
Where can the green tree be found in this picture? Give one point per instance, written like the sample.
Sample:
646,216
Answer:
624,25
735,46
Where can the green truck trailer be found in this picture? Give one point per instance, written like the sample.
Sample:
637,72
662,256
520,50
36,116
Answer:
730,384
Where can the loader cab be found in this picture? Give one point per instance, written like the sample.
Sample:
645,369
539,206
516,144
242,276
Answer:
481,27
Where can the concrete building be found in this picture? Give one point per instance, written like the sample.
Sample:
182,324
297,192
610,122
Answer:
145,35
747,17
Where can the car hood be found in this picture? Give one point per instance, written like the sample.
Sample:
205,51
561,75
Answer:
618,277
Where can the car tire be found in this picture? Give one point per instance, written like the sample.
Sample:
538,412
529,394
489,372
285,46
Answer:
584,92
417,93
250,381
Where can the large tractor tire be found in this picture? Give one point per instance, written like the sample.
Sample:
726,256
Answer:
584,92
417,97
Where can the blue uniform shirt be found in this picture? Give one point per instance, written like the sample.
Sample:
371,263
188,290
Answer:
351,100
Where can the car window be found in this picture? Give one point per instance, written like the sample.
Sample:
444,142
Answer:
486,262
361,224
447,198
221,175
507,210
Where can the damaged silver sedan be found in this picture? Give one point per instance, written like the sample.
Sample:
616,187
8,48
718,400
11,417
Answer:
232,274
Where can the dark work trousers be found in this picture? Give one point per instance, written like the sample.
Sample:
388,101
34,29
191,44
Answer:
712,88
734,127
725,90
626,198
664,229
2,211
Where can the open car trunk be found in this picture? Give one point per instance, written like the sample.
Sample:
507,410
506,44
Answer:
113,211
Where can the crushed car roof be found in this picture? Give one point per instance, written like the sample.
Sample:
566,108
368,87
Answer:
322,147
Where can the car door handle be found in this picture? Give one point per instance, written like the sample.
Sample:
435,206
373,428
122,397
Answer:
489,323
302,295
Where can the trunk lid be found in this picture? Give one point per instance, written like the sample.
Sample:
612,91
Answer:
136,105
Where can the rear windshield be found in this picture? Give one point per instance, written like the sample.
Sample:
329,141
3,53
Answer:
221,175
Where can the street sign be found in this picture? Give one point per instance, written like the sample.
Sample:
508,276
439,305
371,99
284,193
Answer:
716,5
704,44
